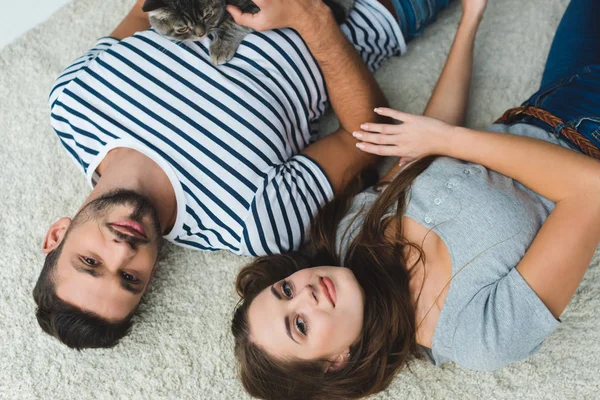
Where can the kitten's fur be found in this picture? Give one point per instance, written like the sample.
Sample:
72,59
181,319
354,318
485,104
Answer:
194,19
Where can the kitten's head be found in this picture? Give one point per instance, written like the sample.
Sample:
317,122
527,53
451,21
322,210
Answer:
185,19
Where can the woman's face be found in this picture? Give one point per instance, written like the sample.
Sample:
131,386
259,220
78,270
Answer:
312,314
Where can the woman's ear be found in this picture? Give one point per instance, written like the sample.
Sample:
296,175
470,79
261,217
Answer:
338,362
55,234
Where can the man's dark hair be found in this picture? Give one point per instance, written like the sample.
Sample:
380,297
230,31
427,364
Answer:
74,327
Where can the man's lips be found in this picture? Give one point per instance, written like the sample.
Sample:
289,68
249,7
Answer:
130,227
328,289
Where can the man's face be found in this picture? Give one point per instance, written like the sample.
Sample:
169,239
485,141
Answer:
109,254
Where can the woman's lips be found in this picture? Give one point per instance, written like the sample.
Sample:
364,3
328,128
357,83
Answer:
328,289
132,226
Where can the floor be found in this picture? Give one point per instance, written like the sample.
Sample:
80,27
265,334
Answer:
18,16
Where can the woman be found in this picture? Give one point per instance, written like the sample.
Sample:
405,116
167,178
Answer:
474,264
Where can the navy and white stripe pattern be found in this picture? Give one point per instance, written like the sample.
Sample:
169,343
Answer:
229,137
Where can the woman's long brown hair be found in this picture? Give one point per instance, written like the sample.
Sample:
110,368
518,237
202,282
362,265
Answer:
387,340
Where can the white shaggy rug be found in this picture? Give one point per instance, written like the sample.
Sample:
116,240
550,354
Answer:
180,346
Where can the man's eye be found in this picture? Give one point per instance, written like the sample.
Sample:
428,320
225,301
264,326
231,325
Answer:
130,278
89,261
286,289
301,325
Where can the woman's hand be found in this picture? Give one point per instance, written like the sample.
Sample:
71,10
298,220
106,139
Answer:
275,14
473,9
416,137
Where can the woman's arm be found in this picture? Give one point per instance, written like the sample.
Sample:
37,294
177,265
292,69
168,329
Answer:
450,97
135,21
561,252
353,92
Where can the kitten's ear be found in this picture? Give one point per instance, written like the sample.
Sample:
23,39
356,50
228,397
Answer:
152,5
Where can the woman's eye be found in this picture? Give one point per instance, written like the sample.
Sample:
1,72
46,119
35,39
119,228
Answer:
183,30
89,261
301,325
130,278
286,289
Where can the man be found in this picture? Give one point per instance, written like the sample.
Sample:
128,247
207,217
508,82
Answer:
208,157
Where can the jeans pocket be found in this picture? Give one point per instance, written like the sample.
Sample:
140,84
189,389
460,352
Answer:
537,99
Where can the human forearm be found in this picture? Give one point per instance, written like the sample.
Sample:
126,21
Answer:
450,98
353,92
550,170
135,21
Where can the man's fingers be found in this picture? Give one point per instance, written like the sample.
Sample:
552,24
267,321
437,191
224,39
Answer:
241,18
376,138
380,150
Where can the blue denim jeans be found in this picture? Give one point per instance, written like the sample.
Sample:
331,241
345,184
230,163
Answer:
415,15
570,86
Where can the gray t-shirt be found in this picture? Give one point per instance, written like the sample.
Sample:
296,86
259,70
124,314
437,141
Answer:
491,316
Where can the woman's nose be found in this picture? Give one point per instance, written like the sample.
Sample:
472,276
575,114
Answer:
309,296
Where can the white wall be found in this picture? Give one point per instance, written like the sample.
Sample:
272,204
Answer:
18,16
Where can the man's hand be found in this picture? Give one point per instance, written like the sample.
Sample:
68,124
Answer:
275,14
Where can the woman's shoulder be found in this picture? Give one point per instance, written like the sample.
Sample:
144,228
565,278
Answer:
502,323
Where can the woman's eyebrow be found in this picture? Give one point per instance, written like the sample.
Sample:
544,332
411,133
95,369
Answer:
287,329
275,293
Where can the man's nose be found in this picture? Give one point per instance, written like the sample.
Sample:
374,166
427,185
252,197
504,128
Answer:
123,248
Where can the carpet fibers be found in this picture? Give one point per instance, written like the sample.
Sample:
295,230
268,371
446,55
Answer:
180,346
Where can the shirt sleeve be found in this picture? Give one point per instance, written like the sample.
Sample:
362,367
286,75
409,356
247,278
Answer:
78,65
374,33
281,213
504,323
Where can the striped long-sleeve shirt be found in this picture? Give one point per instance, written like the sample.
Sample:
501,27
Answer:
229,137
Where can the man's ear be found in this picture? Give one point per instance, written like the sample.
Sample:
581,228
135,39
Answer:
55,234
153,5
338,362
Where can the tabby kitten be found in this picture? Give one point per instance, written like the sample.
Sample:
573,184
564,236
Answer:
194,19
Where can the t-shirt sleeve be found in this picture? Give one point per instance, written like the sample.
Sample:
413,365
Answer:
374,33
504,323
78,65
281,213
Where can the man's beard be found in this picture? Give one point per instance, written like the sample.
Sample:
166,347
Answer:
99,208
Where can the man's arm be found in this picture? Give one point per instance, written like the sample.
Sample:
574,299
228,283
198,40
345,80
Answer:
135,21
353,91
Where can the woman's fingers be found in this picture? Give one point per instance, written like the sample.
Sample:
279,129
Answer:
378,149
395,114
376,138
386,129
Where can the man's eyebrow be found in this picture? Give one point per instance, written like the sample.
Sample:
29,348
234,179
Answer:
287,329
275,293
84,270
130,288
95,274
